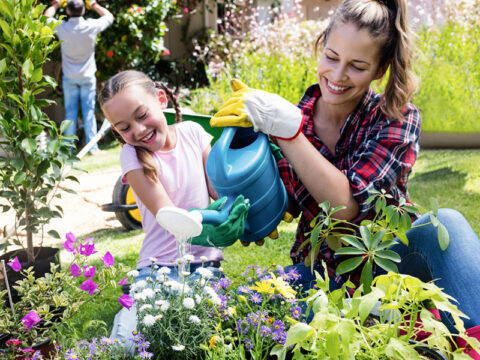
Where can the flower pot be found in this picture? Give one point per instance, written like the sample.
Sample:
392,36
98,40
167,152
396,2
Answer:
428,352
41,265
47,349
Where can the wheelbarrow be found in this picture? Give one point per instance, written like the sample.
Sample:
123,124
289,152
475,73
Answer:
123,202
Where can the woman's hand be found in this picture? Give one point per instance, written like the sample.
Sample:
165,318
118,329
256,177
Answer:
266,112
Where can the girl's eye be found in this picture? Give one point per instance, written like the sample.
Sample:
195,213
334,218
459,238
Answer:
142,116
124,129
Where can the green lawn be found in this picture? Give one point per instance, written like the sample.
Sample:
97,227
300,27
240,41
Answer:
451,176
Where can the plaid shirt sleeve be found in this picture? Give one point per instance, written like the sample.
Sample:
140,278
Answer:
384,160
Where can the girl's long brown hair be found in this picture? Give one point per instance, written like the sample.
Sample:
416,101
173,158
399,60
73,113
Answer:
386,21
128,78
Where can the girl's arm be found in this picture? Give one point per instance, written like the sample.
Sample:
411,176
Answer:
321,178
153,195
211,190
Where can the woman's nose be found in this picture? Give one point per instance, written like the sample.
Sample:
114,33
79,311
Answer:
340,73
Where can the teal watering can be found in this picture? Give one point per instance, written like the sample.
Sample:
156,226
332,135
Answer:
241,162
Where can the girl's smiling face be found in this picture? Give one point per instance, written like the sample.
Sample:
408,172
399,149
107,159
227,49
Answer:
348,64
137,115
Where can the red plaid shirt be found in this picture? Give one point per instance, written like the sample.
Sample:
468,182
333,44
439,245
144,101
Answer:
373,152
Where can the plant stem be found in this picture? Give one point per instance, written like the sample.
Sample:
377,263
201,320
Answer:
8,287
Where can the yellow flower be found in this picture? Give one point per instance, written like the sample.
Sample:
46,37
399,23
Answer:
212,342
282,287
263,287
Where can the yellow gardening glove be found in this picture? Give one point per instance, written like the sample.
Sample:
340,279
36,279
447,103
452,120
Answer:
63,3
89,3
266,112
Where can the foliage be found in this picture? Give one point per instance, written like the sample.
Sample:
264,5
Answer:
253,317
367,244
47,303
175,316
29,173
339,329
108,349
449,71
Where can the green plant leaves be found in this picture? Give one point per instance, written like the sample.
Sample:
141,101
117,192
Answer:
386,264
27,68
349,265
443,236
298,333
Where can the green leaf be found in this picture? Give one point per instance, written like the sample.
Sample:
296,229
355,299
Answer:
298,333
349,265
29,145
19,178
3,66
7,31
279,351
397,349
366,236
366,277
349,251
332,343
405,222
6,8
386,244
443,236
388,254
37,74
434,206
386,264
377,238
17,162
368,302
54,234
352,240
27,68
43,167
64,125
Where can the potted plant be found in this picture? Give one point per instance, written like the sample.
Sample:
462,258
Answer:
30,170
47,302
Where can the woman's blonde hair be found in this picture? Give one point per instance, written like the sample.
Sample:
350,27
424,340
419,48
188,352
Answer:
386,21
120,82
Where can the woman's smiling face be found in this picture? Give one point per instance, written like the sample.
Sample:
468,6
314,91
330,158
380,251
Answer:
137,116
348,63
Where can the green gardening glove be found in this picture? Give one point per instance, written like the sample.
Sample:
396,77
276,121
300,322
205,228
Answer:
226,233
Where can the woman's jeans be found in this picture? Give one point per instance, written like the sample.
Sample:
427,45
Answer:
456,270
83,91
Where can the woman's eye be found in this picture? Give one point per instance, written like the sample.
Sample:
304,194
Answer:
357,68
330,58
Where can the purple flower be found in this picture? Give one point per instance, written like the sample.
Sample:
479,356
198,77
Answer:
253,319
89,272
279,336
108,259
36,355
143,346
224,283
89,285
239,327
69,246
123,281
248,344
244,289
265,331
30,319
75,270
15,264
126,301
88,248
296,312
145,355
278,325
256,298
292,274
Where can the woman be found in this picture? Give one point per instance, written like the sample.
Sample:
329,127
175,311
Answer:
344,140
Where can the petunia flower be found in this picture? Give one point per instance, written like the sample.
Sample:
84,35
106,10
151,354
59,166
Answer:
126,301
30,319
15,264
89,285
75,270
108,259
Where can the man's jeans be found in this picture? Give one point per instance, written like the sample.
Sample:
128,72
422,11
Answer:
456,270
83,90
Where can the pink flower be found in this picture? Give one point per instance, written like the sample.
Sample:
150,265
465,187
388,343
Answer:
75,270
15,264
69,245
15,342
126,301
88,248
89,285
108,259
185,10
30,319
166,52
89,272
123,281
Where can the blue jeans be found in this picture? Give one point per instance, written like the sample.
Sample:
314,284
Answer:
456,270
83,90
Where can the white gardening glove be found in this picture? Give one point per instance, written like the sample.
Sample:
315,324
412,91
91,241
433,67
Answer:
266,112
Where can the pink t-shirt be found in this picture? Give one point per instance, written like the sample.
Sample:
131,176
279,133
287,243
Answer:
181,172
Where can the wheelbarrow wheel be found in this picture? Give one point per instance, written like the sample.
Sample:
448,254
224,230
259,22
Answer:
123,195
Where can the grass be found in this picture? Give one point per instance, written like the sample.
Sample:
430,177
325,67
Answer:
451,176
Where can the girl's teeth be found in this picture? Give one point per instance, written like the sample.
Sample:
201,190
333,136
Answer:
148,138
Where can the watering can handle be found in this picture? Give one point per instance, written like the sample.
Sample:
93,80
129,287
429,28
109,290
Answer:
216,217
223,143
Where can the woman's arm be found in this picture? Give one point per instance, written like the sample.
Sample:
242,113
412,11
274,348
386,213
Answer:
153,195
321,178
211,190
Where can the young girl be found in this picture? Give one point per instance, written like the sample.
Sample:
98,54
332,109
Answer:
343,140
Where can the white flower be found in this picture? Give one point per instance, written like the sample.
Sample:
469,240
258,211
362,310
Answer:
139,297
205,272
220,269
132,273
155,267
145,307
203,258
231,311
185,273
194,319
198,298
164,270
148,293
164,305
152,259
139,284
189,258
189,303
178,347
149,279
158,317
149,320
179,261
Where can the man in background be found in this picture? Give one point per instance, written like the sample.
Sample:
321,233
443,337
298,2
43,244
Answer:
78,37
